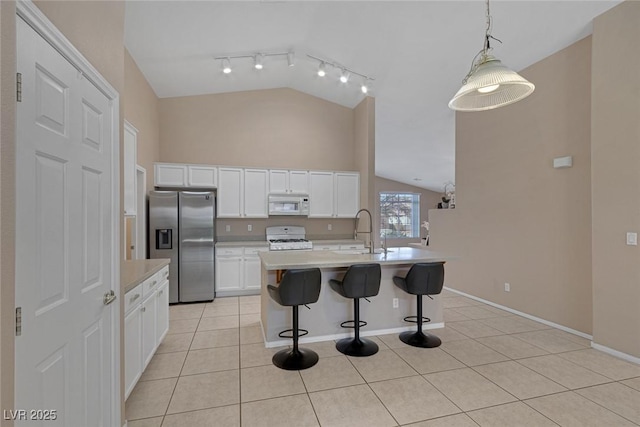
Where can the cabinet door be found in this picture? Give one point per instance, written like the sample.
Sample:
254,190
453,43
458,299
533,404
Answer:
278,181
129,168
132,350
299,182
321,194
148,309
230,192
347,194
228,273
162,312
170,175
256,188
202,176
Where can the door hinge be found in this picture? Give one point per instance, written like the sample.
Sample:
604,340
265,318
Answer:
18,321
19,87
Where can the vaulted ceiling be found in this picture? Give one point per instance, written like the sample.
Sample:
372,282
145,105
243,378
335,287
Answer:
417,51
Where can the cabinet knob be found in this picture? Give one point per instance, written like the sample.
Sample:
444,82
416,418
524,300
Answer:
143,309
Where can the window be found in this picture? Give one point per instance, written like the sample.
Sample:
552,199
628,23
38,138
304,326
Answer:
399,215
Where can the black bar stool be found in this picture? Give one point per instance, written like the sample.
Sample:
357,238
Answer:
422,279
360,281
297,287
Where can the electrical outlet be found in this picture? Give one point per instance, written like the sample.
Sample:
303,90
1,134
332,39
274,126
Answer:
507,287
329,227
632,239
395,303
249,227
227,228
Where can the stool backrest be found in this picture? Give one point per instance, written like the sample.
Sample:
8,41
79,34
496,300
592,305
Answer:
426,278
362,280
300,286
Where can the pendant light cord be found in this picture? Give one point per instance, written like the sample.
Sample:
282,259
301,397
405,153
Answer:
484,52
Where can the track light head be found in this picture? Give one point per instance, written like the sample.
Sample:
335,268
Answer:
365,87
321,70
226,65
344,76
257,62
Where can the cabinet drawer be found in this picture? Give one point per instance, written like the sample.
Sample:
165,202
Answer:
353,246
132,298
151,284
325,247
163,275
229,251
255,251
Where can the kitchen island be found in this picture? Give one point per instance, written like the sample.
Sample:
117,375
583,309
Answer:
324,317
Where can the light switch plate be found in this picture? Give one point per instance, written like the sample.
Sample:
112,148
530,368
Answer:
632,239
227,228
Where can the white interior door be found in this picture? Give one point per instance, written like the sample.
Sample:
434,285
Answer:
64,241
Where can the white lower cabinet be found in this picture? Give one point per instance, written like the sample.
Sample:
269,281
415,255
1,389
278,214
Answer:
162,324
146,322
132,349
238,271
149,310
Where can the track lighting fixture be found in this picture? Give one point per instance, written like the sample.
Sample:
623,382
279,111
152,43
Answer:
345,73
258,59
324,66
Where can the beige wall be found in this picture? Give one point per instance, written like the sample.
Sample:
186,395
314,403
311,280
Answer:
141,110
428,200
365,147
517,219
279,128
7,202
615,154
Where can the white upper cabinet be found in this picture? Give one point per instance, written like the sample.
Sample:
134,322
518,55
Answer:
185,176
321,194
230,192
288,181
256,188
334,194
170,175
129,172
347,194
202,176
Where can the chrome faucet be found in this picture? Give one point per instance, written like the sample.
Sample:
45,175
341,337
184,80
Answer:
370,232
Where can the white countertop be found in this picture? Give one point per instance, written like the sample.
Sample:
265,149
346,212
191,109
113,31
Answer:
275,260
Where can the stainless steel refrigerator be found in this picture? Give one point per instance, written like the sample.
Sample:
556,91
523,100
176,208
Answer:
181,227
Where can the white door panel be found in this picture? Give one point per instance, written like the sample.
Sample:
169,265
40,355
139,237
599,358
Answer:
63,238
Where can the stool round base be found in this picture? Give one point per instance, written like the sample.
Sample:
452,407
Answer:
420,339
295,360
361,347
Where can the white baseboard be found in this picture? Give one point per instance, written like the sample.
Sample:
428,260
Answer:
616,353
520,313
333,337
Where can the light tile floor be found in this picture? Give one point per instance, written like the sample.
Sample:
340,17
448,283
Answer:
493,369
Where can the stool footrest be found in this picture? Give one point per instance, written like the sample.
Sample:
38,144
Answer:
414,319
301,333
351,324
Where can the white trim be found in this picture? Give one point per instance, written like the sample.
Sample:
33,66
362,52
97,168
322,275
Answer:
333,337
30,13
520,313
616,353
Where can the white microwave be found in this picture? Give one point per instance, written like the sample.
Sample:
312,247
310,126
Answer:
288,204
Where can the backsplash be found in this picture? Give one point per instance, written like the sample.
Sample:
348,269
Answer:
315,228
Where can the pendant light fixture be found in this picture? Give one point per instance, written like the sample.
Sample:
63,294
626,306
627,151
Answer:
489,84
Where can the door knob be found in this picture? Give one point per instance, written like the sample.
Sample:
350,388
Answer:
109,297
